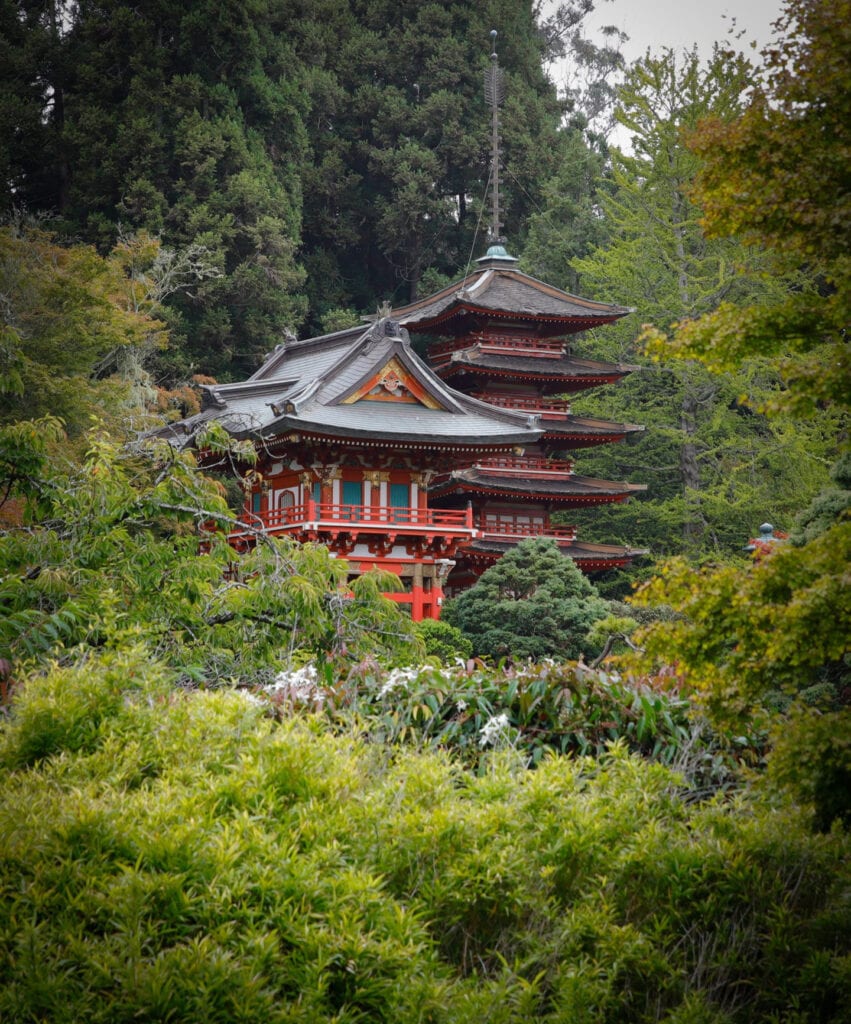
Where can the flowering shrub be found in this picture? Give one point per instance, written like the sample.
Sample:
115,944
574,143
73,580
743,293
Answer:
563,707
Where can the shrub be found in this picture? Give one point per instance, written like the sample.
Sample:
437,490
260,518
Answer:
191,858
442,641
534,603
533,709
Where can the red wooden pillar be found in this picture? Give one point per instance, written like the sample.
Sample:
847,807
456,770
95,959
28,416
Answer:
436,601
417,593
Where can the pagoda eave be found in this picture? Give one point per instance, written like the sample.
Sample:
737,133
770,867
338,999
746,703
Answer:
555,324
355,441
577,440
567,384
566,499
484,552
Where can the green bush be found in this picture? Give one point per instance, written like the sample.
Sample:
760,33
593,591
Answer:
442,641
556,707
534,603
191,858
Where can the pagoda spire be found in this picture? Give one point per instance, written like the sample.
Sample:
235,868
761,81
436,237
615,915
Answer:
494,96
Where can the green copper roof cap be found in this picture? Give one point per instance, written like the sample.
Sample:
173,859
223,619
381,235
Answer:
498,254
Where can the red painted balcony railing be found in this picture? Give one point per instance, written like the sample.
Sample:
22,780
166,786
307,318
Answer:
518,465
545,348
508,526
369,518
528,403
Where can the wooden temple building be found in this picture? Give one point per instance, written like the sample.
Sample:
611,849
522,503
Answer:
430,468
351,429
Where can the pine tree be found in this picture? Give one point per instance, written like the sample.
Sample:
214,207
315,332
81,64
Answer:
400,141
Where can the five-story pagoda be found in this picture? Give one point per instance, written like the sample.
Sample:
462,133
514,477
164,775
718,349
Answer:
504,338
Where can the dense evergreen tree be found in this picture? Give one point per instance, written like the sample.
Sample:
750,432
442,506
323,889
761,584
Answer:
400,141
33,71
180,119
216,126
569,224
534,603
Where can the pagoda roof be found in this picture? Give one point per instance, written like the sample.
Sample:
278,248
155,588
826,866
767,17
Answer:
365,384
498,290
595,557
568,488
561,369
586,426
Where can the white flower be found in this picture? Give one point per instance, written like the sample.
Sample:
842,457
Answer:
300,685
398,679
495,728
461,705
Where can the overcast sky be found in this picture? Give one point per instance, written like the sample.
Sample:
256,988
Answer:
679,23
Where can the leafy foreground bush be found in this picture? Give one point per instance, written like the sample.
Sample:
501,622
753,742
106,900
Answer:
180,856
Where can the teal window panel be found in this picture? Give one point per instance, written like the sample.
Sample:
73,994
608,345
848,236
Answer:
400,497
352,498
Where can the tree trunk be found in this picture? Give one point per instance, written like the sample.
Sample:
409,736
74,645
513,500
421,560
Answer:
694,523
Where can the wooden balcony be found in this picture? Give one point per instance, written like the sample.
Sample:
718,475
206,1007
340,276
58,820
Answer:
497,344
532,466
504,526
546,408
341,526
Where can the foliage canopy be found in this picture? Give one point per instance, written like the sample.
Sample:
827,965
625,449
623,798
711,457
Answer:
112,559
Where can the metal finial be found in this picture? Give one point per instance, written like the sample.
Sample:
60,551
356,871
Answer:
494,96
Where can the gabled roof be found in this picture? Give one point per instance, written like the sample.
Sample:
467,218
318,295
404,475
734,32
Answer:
359,384
497,289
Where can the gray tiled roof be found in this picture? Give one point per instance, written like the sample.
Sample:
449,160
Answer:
576,549
567,486
585,425
303,388
505,290
558,367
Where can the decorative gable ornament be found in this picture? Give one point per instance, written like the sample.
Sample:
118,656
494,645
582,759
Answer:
393,382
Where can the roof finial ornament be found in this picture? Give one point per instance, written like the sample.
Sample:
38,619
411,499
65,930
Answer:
494,96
